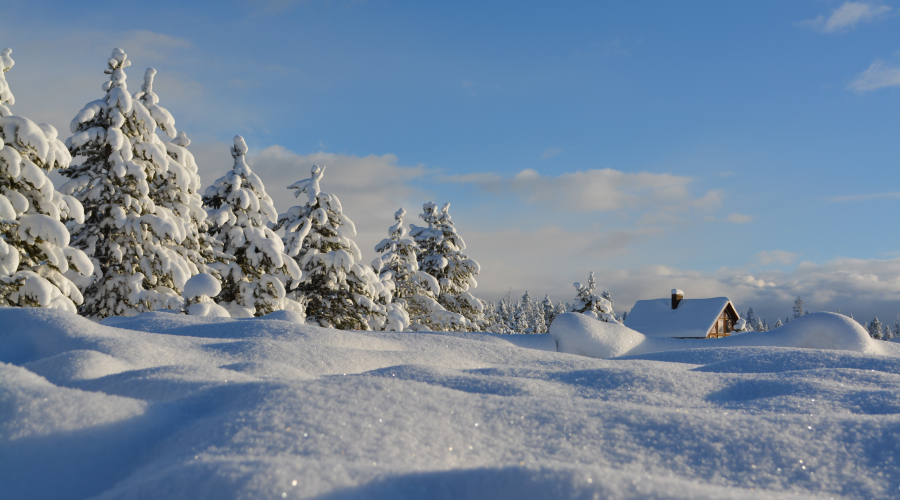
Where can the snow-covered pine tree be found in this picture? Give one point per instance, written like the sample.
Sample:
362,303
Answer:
751,320
874,329
35,255
441,255
253,284
135,269
559,309
340,292
886,332
798,307
778,323
177,190
896,332
524,320
500,319
414,290
537,319
587,302
548,310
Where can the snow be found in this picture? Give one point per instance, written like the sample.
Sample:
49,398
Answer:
693,318
166,405
581,334
201,284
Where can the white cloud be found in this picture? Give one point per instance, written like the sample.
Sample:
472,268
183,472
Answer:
550,153
775,257
598,190
847,16
740,218
879,75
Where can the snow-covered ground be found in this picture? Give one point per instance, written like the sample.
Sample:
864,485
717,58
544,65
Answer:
172,406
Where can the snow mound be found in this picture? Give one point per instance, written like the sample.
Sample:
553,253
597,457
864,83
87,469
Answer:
201,284
580,334
77,365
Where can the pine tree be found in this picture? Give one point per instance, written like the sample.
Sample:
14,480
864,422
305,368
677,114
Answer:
340,291
778,323
524,320
504,312
549,311
177,189
414,290
440,255
896,333
886,332
130,242
751,320
798,307
35,255
875,330
587,302
253,283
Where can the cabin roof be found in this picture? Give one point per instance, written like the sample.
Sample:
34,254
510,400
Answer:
693,318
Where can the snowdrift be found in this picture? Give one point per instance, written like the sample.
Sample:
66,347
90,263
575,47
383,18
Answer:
583,335
164,405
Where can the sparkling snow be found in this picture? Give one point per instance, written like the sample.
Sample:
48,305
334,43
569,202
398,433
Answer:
165,405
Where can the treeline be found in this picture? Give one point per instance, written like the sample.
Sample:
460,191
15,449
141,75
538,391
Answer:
130,232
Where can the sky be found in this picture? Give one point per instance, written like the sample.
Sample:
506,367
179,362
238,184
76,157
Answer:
745,149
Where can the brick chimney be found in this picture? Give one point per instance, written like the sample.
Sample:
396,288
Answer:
677,295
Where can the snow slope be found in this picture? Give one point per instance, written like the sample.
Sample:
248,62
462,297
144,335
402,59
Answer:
171,406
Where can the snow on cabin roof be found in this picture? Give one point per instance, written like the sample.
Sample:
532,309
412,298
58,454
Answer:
693,318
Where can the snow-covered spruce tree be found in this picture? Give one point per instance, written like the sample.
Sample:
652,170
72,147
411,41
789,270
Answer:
340,292
874,329
253,283
538,325
778,323
177,190
35,255
416,290
587,302
798,307
548,310
440,255
129,240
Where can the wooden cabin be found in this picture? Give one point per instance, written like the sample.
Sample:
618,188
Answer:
682,318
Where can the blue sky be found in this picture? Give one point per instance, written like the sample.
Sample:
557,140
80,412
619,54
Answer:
746,149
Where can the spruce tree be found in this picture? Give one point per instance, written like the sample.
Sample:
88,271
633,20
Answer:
177,189
441,255
135,269
253,283
549,311
414,290
798,307
778,323
35,255
339,291
587,302
875,330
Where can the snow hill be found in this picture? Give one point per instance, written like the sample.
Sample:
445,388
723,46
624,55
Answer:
165,405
